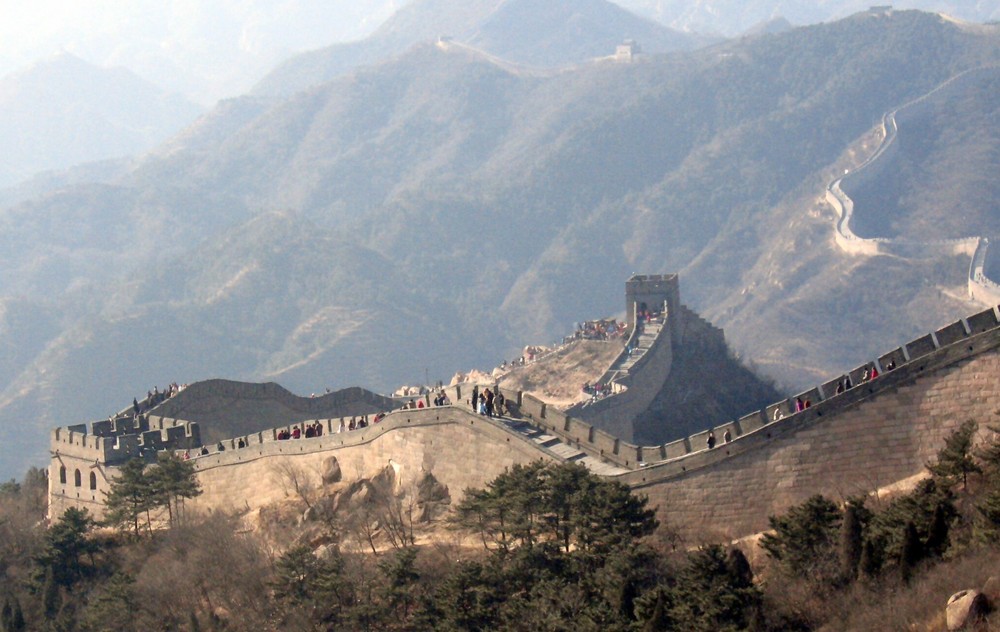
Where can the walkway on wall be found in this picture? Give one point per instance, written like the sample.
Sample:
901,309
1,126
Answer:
560,448
980,288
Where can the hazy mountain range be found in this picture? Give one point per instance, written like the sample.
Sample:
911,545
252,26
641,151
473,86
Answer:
64,111
733,17
440,208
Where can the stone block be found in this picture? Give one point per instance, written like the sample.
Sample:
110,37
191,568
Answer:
983,321
951,334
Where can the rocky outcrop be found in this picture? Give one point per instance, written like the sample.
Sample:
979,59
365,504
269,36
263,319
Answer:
966,608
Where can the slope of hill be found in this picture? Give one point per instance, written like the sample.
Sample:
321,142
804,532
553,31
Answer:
64,111
445,210
732,17
525,31
939,177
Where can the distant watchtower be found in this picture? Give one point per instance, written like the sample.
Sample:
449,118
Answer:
650,292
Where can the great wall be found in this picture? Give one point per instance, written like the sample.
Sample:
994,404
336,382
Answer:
980,287
868,437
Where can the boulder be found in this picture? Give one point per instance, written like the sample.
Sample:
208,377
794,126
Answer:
331,471
992,589
966,607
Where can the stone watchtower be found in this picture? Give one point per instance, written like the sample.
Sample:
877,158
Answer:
652,292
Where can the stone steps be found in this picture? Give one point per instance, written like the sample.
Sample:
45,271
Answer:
560,448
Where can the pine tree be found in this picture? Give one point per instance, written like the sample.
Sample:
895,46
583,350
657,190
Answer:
740,573
937,536
870,562
987,522
171,480
911,554
51,600
6,615
113,608
64,546
850,542
129,497
804,538
17,623
955,460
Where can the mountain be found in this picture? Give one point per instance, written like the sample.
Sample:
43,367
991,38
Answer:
205,51
532,32
442,209
734,17
64,111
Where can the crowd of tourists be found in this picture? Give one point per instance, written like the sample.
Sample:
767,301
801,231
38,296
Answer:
155,397
488,403
597,391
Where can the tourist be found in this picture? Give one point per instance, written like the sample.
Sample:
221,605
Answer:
777,414
296,433
220,447
874,372
204,450
310,431
498,402
727,437
319,429
240,443
488,394
342,427
475,398
710,442
891,365
799,405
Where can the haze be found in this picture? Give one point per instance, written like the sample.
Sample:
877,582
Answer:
204,50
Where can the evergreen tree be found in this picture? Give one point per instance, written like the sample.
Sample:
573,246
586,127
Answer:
401,577
911,554
6,615
987,521
850,542
17,623
170,481
955,460
65,545
870,562
129,496
803,538
937,536
989,452
114,608
51,600
738,567
709,598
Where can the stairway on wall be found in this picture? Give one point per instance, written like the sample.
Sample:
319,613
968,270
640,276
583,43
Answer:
645,341
560,449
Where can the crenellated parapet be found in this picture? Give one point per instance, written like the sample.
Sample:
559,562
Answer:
85,457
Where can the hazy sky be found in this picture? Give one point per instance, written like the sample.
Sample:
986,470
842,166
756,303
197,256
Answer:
209,49
205,49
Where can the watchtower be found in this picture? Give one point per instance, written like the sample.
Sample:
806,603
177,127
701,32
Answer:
651,292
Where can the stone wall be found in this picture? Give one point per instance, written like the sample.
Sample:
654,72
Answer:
871,436
460,449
